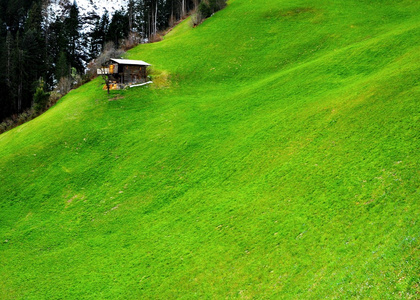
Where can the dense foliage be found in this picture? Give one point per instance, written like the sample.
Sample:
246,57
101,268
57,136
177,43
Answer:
35,49
209,7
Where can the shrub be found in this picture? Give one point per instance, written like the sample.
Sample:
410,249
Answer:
22,118
131,41
54,97
40,98
77,81
156,37
207,8
64,85
3,127
17,120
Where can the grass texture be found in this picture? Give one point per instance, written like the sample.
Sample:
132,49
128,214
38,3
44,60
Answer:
275,157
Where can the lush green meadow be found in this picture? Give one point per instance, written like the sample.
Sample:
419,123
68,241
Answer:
275,157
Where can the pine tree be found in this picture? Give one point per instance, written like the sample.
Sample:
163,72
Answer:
40,97
62,68
9,59
73,38
130,15
18,75
6,101
98,35
118,28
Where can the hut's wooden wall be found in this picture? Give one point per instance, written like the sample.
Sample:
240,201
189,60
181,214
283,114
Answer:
133,74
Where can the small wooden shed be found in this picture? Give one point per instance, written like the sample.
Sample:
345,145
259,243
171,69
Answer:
124,72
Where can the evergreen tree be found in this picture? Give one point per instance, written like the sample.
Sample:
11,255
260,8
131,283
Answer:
18,77
131,12
98,35
22,55
6,102
73,37
34,19
104,28
8,58
40,97
62,68
33,46
118,28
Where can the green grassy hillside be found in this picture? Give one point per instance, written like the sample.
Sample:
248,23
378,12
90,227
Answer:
276,157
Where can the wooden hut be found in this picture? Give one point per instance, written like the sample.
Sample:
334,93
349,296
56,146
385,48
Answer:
124,72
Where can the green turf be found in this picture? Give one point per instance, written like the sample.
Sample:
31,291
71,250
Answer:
276,157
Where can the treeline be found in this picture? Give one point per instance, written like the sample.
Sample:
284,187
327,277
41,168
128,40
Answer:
44,51
36,51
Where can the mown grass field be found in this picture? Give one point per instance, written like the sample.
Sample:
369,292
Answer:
275,157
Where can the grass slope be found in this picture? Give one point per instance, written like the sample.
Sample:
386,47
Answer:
280,160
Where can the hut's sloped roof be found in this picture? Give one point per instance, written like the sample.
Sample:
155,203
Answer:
130,62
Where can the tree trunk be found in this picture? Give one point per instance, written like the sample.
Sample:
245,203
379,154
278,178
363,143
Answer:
171,18
20,85
9,45
156,12
149,25
130,15
183,9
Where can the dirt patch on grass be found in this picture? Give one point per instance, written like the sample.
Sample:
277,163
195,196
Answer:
297,13
72,198
119,97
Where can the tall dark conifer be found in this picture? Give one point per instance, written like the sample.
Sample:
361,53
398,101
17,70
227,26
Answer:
9,47
18,75
118,28
62,66
72,28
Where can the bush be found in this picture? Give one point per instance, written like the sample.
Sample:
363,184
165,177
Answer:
156,37
22,118
54,97
40,98
195,19
3,127
207,8
77,81
17,120
131,41
64,85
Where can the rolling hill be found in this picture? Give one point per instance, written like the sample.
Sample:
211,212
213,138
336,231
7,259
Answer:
275,157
